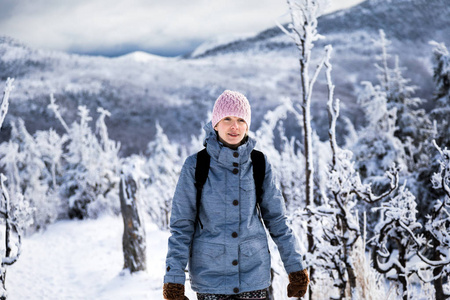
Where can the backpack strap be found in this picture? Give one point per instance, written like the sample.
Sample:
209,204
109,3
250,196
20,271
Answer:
201,174
259,172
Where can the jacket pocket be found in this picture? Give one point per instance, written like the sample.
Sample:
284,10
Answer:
206,265
255,262
247,184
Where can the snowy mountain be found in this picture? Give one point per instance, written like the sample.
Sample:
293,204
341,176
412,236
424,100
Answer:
417,21
140,89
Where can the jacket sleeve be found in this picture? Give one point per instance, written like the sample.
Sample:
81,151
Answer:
182,224
273,210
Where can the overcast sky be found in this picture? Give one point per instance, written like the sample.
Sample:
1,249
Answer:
112,28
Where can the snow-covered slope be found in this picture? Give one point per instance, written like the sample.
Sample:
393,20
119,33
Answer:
140,89
140,56
82,260
417,21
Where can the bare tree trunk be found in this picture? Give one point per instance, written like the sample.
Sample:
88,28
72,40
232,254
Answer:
10,228
402,275
438,284
3,295
133,242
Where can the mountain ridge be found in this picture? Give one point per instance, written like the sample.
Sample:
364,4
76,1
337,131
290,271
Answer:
179,92
368,16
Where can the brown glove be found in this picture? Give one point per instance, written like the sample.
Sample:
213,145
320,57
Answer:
174,291
298,283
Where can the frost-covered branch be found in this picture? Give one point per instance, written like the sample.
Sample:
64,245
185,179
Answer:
442,179
332,106
366,192
12,227
5,100
53,106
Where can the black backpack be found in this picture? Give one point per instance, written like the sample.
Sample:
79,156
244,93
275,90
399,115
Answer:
202,170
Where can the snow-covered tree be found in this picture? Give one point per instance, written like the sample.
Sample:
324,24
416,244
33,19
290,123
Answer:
303,31
15,213
89,184
441,98
340,231
436,252
284,153
377,148
412,125
34,180
396,241
163,168
398,130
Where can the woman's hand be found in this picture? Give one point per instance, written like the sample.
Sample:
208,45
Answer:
298,283
174,291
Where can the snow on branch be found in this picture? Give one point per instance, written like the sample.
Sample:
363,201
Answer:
442,179
5,100
55,109
11,226
303,26
437,248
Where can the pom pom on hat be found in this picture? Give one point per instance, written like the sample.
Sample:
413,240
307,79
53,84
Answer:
231,103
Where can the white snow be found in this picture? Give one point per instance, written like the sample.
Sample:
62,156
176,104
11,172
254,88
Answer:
83,260
141,56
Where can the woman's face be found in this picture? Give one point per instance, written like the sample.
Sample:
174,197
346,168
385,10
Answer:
232,131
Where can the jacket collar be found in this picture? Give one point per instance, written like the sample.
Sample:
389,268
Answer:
222,153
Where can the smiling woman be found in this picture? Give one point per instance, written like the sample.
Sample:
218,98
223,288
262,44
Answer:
231,118
161,27
231,131
218,224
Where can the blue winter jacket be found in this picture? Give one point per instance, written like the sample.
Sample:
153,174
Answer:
230,254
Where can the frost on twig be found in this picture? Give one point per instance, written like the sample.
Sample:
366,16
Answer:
5,100
55,108
441,180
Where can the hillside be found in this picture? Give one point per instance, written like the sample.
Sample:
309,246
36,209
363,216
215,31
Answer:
140,89
407,21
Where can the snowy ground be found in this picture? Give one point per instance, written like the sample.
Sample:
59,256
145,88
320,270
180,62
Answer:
83,260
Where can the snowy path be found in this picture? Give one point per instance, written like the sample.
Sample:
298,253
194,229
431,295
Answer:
83,260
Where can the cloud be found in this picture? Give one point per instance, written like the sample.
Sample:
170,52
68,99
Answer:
158,26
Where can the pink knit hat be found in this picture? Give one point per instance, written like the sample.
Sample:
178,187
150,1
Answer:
231,103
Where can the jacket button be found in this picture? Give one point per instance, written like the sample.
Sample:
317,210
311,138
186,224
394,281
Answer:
236,154
235,171
236,290
235,262
168,269
234,234
235,164
235,202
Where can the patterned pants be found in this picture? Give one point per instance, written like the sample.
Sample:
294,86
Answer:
255,295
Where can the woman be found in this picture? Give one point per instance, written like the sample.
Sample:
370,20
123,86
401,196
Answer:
226,243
